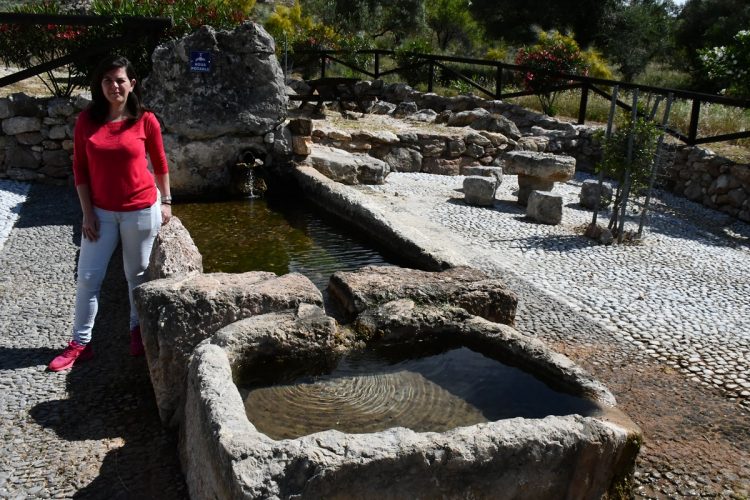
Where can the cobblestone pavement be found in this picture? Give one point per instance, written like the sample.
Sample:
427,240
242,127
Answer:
663,323
91,432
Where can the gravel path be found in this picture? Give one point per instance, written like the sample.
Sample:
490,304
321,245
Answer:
91,432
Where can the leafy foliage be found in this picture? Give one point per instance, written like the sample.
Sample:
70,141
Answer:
637,33
28,45
729,66
451,22
641,138
553,53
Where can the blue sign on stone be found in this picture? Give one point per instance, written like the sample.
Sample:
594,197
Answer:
200,61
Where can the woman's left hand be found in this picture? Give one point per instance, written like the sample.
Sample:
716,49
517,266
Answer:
166,213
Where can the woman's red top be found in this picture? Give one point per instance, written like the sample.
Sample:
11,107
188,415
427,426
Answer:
111,159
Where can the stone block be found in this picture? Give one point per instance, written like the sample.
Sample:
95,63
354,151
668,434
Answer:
56,158
301,126
29,138
545,207
480,190
177,313
463,287
244,94
174,252
60,107
302,145
403,160
5,111
20,124
347,168
405,108
441,166
486,171
590,192
58,132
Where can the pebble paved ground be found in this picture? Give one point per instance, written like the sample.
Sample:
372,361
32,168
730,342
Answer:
92,432
664,323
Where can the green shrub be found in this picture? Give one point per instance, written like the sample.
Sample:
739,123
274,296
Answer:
405,58
729,66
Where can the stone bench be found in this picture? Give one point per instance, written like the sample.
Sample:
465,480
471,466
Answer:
538,171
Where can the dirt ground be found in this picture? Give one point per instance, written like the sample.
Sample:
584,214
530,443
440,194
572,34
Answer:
696,442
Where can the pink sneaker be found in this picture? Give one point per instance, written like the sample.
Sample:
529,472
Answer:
74,352
136,343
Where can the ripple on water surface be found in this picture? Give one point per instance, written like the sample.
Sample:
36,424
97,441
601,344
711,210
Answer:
376,389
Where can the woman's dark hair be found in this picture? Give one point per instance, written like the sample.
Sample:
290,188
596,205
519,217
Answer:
99,107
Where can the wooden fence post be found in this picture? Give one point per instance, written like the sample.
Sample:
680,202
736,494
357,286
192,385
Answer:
431,77
377,65
499,82
583,104
694,114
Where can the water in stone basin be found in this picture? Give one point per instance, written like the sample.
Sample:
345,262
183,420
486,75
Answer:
427,388
277,235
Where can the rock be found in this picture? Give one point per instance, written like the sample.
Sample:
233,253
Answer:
496,172
482,139
405,108
301,126
423,115
533,143
590,192
202,167
465,118
456,148
58,132
538,171
243,94
20,157
26,106
302,145
497,123
544,207
347,168
480,190
403,160
57,158
20,124
5,111
179,312
382,108
441,166
377,136
59,107
174,252
606,237
29,138
462,287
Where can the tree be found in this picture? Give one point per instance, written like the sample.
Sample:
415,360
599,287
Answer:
729,66
451,21
519,20
708,23
636,34
398,19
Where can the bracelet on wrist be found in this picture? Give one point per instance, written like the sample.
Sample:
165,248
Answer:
166,200
166,203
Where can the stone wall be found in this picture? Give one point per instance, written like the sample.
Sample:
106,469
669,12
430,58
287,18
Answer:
716,182
36,140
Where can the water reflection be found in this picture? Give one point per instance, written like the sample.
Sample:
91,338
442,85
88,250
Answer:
273,235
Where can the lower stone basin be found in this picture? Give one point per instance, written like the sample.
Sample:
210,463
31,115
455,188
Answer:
428,387
227,455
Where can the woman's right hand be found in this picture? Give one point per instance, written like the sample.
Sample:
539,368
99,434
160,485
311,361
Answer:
90,226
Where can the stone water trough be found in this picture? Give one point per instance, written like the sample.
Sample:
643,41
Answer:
205,332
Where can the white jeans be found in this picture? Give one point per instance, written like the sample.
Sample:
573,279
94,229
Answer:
137,230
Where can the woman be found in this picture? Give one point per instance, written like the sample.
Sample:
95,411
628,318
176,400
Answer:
118,196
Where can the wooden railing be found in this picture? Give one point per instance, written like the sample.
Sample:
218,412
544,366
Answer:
586,84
